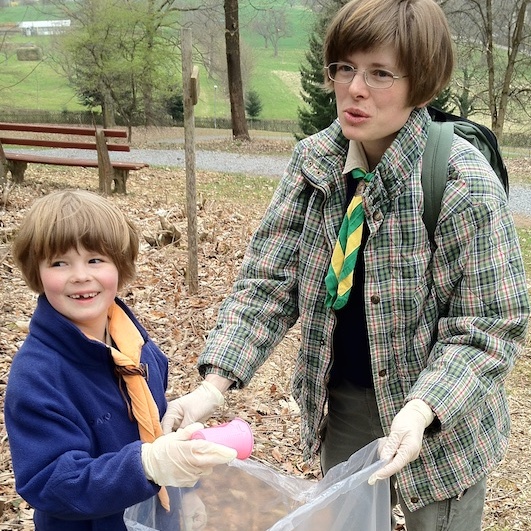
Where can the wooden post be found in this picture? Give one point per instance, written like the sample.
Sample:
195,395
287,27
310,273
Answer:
189,95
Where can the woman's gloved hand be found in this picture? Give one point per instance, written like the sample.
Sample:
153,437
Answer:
176,461
196,406
405,438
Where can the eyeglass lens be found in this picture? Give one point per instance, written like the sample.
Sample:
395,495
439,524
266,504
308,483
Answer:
375,78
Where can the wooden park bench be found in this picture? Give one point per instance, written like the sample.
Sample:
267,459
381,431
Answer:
45,137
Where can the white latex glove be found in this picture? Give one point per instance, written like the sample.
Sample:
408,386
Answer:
405,438
196,406
173,460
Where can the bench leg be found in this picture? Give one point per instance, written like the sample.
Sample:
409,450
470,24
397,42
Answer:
3,173
120,180
17,169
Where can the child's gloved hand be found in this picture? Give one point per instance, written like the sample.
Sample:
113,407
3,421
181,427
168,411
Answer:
196,406
176,461
405,439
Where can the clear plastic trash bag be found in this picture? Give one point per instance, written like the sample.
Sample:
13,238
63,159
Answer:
252,496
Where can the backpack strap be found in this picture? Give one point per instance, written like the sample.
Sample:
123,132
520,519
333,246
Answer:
435,171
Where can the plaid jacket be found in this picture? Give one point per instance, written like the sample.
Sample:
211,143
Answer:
444,326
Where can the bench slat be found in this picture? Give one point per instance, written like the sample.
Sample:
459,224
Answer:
83,163
61,144
60,129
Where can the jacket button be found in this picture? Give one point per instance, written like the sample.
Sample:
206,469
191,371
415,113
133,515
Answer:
378,216
375,299
382,373
414,499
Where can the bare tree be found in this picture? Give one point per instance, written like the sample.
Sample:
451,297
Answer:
232,49
208,30
499,32
271,24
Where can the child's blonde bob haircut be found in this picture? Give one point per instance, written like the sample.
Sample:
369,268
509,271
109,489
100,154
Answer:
60,221
416,29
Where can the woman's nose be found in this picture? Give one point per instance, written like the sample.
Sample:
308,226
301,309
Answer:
358,83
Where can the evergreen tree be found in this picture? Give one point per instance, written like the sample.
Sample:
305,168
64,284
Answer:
443,101
174,106
320,109
253,104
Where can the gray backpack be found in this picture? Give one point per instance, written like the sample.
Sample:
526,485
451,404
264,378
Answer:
437,153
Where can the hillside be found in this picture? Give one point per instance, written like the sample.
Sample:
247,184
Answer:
41,84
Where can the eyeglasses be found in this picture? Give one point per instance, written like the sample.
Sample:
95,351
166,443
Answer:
377,78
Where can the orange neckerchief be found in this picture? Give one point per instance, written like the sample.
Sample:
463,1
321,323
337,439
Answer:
126,357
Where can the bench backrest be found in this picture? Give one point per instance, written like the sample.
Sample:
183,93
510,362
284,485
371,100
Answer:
38,138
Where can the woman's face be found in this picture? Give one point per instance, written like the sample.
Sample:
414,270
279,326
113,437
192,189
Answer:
373,116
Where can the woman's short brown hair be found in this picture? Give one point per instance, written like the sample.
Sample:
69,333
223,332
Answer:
76,219
416,29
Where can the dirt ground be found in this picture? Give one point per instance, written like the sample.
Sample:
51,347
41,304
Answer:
179,322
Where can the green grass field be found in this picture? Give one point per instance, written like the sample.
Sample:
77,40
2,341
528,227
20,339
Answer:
19,13
275,79
32,85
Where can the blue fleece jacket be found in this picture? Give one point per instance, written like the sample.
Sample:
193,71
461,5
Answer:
75,452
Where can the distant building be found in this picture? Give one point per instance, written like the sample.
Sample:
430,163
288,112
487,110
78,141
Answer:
44,27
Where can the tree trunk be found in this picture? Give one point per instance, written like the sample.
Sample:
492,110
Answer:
107,108
148,74
232,45
517,41
105,171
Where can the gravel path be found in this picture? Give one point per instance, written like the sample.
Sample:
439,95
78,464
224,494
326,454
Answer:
272,166
264,165
520,199
260,165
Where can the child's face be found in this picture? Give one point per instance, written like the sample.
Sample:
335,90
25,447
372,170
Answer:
81,285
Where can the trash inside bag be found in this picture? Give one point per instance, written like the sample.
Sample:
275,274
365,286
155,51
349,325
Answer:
343,500
252,496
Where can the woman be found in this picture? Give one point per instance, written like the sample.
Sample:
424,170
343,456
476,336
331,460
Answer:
406,343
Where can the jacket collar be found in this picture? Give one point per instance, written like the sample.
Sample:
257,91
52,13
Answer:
324,157
401,161
61,335
356,157
327,158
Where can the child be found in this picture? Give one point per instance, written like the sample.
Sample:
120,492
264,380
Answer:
86,391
